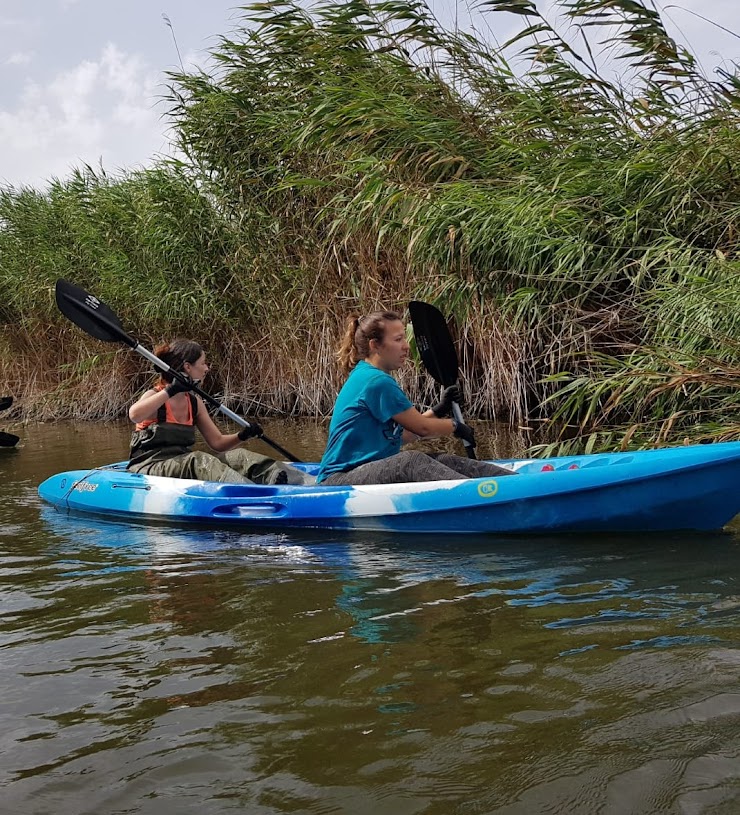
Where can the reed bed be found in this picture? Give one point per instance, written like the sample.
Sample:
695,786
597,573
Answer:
580,225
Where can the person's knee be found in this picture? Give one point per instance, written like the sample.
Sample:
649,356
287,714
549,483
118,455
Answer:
200,457
237,456
409,462
410,455
198,465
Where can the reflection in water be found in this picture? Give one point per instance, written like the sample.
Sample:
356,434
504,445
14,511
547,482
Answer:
152,669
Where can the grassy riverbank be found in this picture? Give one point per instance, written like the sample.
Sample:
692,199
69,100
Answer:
581,228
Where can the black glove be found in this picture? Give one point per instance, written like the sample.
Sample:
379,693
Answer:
251,431
444,406
176,386
464,431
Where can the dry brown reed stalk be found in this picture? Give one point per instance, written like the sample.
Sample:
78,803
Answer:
54,373
494,366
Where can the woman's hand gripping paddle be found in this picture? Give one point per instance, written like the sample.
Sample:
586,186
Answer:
437,351
97,320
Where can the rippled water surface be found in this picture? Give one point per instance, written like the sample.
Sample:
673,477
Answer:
153,669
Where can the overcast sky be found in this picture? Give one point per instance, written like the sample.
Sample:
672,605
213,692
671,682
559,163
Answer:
81,80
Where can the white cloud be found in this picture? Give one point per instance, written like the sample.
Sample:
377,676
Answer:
100,110
19,58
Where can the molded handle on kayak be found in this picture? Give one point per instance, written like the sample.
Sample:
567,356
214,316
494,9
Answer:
261,509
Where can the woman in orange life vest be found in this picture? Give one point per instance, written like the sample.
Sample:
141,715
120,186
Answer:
373,417
166,417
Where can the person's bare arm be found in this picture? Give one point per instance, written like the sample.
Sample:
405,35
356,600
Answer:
147,406
423,425
214,438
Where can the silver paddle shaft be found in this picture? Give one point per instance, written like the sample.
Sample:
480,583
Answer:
457,413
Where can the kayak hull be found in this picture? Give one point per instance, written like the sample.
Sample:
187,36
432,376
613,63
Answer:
685,488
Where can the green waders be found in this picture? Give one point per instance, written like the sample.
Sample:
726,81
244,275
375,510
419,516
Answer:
236,466
164,448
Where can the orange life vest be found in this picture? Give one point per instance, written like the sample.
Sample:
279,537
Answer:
165,415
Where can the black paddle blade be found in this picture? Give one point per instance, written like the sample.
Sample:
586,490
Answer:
434,342
5,402
437,350
8,439
90,314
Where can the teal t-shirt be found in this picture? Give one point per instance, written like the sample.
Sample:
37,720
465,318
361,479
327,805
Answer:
361,427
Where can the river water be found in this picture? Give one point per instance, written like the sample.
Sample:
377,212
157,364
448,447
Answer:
156,669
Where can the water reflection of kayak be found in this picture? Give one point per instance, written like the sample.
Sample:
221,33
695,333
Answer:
691,487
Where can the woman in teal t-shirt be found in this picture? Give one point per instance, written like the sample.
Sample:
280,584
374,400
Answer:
373,417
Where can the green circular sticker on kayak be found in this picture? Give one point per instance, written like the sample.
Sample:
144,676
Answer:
487,489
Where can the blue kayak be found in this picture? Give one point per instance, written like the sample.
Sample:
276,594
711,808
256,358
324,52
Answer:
691,487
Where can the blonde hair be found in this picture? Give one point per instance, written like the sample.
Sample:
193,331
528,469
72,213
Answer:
355,344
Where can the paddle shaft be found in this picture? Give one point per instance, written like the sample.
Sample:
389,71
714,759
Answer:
457,414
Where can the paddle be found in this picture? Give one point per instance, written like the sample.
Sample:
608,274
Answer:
8,439
97,320
437,351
